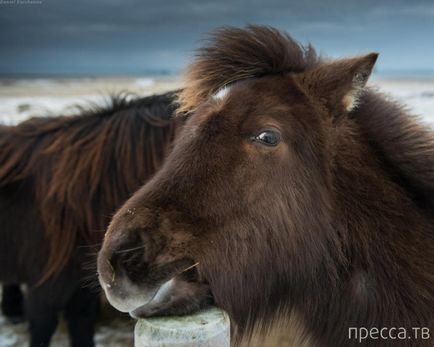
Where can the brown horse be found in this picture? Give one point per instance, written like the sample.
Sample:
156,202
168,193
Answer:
61,179
292,191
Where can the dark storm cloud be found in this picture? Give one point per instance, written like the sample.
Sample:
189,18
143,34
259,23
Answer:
140,36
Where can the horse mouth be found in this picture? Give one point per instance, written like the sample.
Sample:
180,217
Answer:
146,299
160,297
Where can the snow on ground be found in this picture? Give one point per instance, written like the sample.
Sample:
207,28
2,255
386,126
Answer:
21,99
112,330
14,110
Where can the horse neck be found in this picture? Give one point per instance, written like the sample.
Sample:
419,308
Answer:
388,275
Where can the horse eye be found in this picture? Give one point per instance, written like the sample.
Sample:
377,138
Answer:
268,138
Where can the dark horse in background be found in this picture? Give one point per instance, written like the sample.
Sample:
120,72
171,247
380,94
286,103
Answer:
61,179
292,192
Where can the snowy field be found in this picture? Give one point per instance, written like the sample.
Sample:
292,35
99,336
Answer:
112,330
21,99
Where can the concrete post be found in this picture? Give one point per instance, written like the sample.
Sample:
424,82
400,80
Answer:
207,328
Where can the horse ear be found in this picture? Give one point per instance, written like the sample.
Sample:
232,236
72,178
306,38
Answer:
338,84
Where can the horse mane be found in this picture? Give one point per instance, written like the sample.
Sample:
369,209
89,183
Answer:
403,143
83,167
234,54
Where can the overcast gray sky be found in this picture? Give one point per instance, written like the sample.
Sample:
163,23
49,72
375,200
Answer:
136,37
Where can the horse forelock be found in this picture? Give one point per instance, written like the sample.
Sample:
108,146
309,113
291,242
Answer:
234,54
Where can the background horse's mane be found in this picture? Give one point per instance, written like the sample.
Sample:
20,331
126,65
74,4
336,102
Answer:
83,167
234,54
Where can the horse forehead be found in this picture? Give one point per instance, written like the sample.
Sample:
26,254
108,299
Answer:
228,105
266,90
246,86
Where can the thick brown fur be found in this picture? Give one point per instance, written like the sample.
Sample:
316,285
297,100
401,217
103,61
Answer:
84,166
334,224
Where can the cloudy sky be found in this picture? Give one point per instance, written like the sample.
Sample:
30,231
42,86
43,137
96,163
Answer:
132,37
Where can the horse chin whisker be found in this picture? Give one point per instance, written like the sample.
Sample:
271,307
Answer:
189,268
130,249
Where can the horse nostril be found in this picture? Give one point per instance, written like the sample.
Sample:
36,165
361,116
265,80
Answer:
131,259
